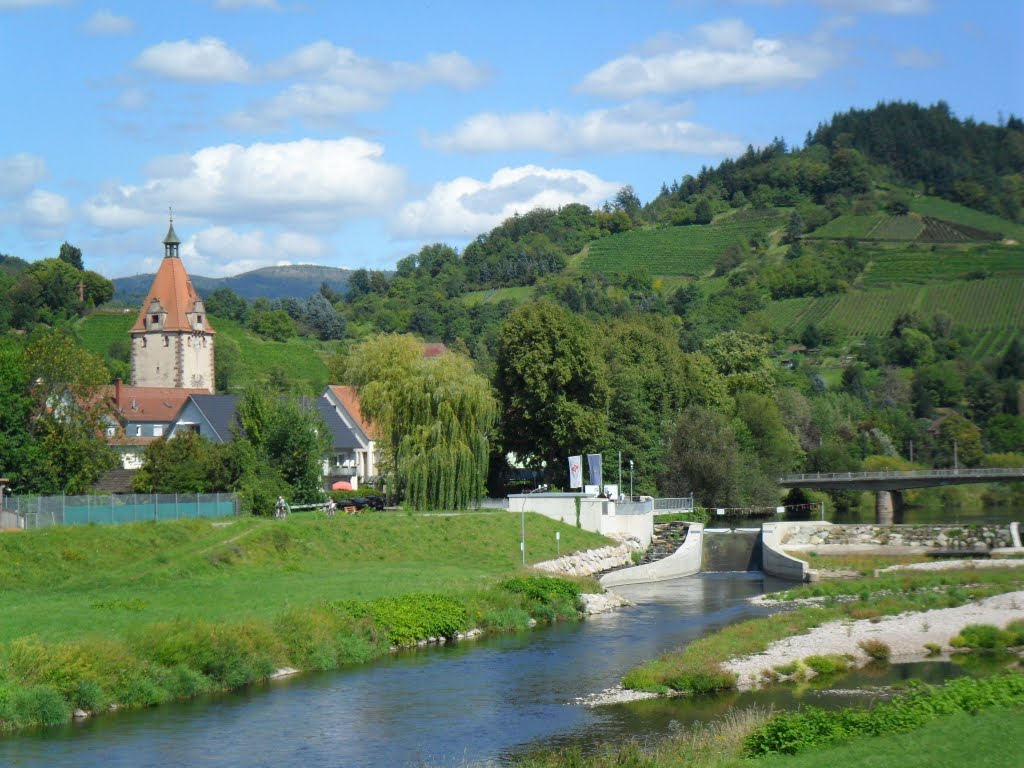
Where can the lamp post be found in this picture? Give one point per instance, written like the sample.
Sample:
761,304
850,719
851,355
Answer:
630,479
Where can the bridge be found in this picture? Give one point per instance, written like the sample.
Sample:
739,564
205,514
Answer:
889,485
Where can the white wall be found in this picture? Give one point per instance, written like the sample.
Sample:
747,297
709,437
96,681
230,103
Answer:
596,513
775,562
685,561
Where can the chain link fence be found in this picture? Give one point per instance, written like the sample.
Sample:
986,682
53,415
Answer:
31,512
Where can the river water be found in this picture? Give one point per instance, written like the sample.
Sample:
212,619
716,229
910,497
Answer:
480,702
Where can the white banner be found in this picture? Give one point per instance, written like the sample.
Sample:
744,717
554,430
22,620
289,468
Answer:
575,471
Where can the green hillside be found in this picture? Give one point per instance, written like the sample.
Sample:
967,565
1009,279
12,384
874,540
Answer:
300,358
683,251
996,304
920,264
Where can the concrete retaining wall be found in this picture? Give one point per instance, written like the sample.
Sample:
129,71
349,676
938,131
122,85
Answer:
969,537
685,561
596,514
774,561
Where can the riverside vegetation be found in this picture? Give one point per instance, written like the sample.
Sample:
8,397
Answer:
136,615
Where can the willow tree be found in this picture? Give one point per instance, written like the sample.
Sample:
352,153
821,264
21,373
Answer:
435,414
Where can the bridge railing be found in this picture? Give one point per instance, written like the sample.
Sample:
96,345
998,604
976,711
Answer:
676,505
905,474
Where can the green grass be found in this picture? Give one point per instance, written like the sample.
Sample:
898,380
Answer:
996,303
302,359
517,294
64,583
849,225
865,564
922,265
959,214
676,251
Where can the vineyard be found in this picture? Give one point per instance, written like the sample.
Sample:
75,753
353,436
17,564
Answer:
848,225
910,228
687,250
921,264
994,305
960,215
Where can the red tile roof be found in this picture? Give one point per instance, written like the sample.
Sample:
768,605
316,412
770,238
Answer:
349,398
173,289
148,403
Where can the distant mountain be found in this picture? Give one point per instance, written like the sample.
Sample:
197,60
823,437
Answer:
299,280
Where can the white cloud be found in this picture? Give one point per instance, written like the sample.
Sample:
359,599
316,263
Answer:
132,98
464,207
726,53
636,127
307,182
19,173
915,58
103,22
45,213
209,60
335,81
222,251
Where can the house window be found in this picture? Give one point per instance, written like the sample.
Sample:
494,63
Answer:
158,430
138,431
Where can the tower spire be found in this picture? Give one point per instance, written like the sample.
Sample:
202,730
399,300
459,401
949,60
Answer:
171,241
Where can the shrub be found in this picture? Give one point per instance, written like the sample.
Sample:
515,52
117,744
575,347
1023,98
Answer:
37,705
1016,628
545,589
827,665
876,649
984,637
410,618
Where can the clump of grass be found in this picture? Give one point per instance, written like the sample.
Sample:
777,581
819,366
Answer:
828,664
934,649
984,637
875,649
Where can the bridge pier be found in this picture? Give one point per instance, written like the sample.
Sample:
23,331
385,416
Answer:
897,507
883,508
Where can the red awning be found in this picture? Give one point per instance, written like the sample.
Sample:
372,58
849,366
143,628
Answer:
342,485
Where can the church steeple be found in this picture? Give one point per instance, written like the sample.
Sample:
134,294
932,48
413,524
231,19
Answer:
171,241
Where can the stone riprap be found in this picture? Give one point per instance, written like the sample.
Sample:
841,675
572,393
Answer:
593,560
968,537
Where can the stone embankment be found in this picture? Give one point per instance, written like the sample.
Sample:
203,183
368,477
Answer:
970,537
593,560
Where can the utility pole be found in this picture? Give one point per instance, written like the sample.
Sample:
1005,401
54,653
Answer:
956,463
911,451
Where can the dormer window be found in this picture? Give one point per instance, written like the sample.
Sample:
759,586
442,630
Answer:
154,318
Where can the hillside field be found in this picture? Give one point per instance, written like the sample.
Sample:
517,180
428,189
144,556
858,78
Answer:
681,251
992,305
921,264
302,359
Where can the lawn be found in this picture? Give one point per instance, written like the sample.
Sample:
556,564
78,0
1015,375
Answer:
66,583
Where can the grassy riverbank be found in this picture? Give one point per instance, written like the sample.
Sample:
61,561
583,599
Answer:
139,614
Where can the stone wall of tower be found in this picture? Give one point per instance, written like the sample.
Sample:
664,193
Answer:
173,359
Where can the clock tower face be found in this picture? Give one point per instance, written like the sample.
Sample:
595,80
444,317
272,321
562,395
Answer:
198,382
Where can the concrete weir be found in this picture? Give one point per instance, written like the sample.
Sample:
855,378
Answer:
685,561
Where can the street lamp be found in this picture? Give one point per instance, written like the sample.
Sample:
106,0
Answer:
630,479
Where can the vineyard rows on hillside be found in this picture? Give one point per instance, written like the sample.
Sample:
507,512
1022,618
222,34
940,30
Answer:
925,264
976,305
968,217
689,250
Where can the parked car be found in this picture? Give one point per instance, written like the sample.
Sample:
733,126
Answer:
365,502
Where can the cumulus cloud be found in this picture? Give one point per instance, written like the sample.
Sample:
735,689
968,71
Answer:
726,53
222,251
308,182
103,22
44,213
465,207
19,173
636,127
209,60
335,81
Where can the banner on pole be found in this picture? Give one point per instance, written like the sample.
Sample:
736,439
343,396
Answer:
575,471
594,465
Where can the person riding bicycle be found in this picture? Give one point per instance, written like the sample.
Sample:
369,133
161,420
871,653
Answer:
281,508
330,507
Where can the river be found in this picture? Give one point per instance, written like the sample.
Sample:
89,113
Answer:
481,702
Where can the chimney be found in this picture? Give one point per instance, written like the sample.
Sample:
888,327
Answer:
117,392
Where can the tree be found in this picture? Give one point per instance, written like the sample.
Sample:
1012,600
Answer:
957,441
288,435
15,382
68,417
436,415
703,459
224,302
187,463
743,360
552,385
69,254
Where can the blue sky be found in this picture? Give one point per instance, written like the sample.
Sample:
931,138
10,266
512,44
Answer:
351,134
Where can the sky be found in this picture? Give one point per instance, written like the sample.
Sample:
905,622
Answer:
352,134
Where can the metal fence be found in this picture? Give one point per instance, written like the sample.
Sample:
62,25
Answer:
29,512
675,505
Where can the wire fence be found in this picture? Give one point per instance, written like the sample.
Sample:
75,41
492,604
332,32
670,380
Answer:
31,512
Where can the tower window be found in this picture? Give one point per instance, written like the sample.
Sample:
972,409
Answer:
154,318
167,341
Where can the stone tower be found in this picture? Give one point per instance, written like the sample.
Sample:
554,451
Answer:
172,341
